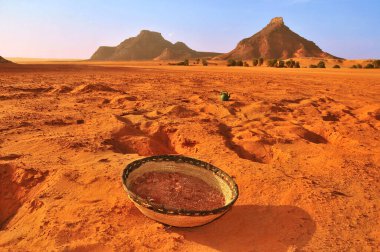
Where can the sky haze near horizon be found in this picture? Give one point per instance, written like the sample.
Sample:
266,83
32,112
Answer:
76,28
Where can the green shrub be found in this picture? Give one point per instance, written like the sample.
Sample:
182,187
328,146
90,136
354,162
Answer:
272,63
198,60
281,64
297,65
246,64
336,66
261,61
239,63
369,66
321,64
255,62
182,63
204,62
231,62
290,63
313,66
376,63
357,66
186,62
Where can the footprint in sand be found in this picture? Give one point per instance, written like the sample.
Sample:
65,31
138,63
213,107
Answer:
97,87
309,135
246,148
129,138
15,182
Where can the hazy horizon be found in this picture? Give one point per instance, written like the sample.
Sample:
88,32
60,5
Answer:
75,29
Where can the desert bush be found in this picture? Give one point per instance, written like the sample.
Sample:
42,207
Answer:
281,64
239,63
246,64
369,66
255,62
272,63
231,62
297,65
313,66
290,63
336,66
198,60
204,62
186,62
321,64
181,63
376,63
261,61
357,66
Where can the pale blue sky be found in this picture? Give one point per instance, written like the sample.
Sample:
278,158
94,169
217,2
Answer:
75,28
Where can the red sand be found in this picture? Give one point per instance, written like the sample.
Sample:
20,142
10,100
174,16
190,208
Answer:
302,144
174,190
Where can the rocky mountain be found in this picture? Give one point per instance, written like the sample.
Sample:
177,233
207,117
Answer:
148,45
176,51
275,41
180,51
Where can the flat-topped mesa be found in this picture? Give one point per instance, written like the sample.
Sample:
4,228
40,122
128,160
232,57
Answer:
277,21
147,33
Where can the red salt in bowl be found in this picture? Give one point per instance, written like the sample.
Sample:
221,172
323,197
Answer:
210,174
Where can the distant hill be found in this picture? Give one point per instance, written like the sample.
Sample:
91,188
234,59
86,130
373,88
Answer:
4,61
148,45
176,51
180,51
275,41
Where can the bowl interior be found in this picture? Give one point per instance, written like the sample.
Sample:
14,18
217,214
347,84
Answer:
216,179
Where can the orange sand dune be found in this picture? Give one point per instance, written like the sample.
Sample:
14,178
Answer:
302,144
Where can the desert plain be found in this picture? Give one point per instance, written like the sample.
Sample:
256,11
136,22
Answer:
302,145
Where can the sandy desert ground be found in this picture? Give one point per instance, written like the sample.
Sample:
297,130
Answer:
304,62
302,144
